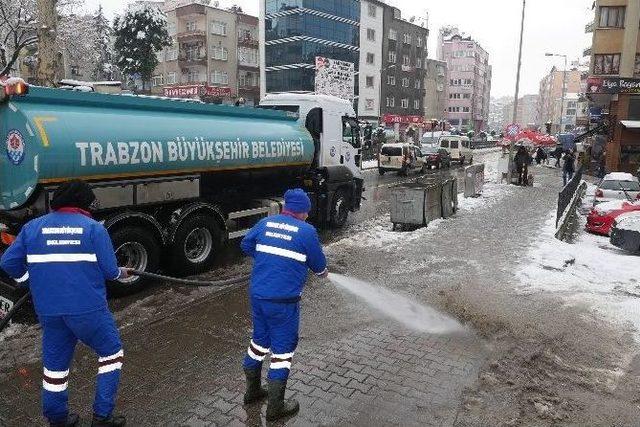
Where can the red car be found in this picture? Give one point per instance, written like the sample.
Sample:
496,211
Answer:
601,218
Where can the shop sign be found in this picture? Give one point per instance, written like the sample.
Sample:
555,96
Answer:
396,118
186,91
613,85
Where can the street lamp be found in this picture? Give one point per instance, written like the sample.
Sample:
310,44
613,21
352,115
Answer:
564,84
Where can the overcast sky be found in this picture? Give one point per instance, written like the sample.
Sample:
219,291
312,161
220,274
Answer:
550,25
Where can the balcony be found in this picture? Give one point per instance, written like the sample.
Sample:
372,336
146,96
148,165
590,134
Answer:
184,36
247,41
587,51
190,60
589,27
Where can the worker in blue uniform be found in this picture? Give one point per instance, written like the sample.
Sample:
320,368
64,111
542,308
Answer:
283,248
66,256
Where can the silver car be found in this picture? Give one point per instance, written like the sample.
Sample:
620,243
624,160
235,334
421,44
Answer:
617,186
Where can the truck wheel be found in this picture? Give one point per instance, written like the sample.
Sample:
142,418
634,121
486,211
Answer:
339,209
196,244
135,248
381,171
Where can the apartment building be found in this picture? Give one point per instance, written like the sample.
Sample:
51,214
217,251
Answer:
469,85
371,60
550,97
434,90
214,55
614,79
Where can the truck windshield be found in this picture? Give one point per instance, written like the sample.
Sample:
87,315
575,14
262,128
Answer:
351,131
290,108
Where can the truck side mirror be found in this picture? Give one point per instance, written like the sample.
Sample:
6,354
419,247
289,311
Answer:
313,122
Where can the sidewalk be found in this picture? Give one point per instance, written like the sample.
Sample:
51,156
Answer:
352,367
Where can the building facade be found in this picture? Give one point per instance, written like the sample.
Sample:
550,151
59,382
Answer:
295,32
527,114
404,52
469,86
214,55
550,97
615,54
371,35
434,90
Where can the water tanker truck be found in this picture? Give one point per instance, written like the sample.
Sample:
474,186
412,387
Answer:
175,179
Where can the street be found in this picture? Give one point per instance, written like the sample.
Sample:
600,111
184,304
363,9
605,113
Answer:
526,359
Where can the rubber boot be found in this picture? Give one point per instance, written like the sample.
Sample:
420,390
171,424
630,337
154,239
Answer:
112,421
255,392
72,421
277,407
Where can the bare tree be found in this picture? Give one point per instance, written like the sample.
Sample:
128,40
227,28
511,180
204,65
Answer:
17,31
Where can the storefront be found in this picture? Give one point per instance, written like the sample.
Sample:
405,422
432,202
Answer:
619,98
405,128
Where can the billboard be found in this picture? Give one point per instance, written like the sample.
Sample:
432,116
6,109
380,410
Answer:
334,77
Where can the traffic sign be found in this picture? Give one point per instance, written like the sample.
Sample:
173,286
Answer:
512,131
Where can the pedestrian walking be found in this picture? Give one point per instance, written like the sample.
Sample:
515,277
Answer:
540,155
66,256
521,160
568,168
557,153
283,248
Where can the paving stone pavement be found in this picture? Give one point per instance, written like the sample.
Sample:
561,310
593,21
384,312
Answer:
185,370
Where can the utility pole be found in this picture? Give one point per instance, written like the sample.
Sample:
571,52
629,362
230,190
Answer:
515,101
564,92
47,51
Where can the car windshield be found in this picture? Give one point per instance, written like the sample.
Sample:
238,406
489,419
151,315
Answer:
615,184
391,151
454,144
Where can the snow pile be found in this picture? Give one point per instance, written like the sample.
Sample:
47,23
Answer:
590,272
605,207
491,194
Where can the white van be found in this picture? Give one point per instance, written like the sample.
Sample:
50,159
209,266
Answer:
399,157
432,138
459,147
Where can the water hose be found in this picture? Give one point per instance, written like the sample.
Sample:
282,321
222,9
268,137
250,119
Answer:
187,282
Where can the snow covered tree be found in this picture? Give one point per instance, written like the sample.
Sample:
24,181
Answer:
17,31
104,68
140,33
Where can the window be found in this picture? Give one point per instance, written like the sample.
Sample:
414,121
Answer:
370,58
369,81
393,34
406,61
171,78
572,104
416,104
219,53
391,80
466,96
466,109
371,35
405,102
611,17
248,79
418,62
157,80
417,84
219,77
351,131
193,76
405,82
606,64
419,42
372,10
407,39
192,52
392,57
369,103
391,101
455,82
172,54
454,96
468,81
247,56
171,28
219,28
571,112
191,26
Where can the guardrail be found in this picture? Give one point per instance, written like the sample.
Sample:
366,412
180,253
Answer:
568,200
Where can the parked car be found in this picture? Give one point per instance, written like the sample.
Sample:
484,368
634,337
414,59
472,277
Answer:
625,232
399,157
617,186
432,138
435,156
459,148
601,218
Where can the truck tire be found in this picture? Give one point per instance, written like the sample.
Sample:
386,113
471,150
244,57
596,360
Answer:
381,171
339,209
136,248
196,244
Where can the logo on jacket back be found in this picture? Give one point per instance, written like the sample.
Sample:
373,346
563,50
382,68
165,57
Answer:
15,147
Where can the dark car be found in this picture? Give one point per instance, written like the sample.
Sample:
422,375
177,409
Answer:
435,156
625,232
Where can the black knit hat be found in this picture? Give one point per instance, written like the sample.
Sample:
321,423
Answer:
73,194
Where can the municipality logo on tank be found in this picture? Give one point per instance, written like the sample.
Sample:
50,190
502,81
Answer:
15,147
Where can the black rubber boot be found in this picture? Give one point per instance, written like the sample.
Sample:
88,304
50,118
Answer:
72,421
277,407
112,421
255,392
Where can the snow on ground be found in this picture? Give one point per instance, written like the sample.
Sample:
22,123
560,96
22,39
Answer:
589,272
370,164
12,330
491,194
